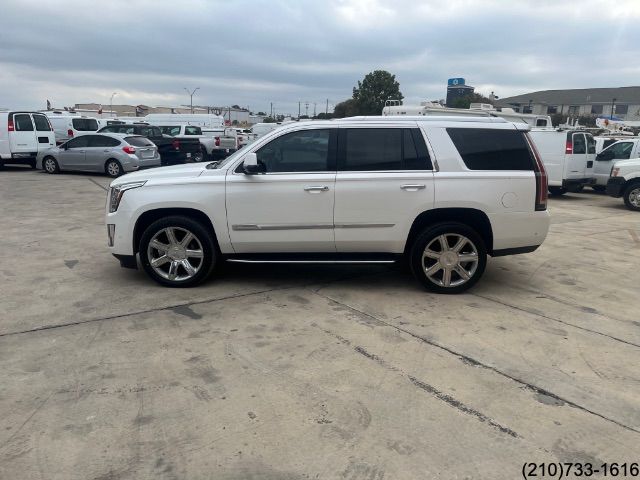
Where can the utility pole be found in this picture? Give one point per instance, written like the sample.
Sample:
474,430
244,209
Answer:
298,110
613,106
326,111
271,111
306,109
191,95
314,109
111,103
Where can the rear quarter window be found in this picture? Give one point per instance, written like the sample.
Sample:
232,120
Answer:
492,149
42,124
192,130
85,124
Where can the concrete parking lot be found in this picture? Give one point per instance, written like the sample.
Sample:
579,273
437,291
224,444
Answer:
310,372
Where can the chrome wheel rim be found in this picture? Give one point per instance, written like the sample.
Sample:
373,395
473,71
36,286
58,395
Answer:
113,169
175,254
450,260
198,157
50,165
634,197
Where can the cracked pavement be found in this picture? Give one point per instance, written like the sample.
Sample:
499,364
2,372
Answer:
310,371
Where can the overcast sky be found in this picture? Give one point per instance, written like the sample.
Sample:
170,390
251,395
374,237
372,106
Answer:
252,52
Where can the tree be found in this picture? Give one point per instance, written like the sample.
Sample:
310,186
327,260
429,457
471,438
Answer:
467,100
324,116
269,120
348,108
261,114
374,90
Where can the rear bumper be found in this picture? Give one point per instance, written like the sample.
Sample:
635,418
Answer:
615,186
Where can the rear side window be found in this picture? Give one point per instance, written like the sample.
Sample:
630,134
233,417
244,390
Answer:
22,122
109,129
192,130
139,141
371,149
492,149
103,141
42,124
591,144
85,124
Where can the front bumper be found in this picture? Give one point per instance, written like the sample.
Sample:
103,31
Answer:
615,186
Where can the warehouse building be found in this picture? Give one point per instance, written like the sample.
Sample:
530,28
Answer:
622,103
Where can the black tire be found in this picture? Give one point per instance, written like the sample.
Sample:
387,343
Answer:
575,188
113,168
203,238
200,156
33,164
598,188
50,165
557,191
631,196
451,230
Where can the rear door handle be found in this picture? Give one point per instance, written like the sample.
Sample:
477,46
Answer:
318,188
412,187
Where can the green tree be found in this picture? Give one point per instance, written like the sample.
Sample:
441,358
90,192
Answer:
348,108
467,100
372,92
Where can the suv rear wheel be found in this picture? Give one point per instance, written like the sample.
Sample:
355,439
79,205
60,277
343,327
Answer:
632,196
177,251
448,257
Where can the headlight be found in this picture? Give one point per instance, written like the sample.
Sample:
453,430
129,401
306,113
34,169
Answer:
116,193
615,171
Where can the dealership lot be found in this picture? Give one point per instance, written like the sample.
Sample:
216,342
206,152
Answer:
310,372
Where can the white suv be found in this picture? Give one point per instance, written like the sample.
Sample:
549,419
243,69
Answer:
442,191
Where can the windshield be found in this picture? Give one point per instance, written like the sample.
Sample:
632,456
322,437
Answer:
229,159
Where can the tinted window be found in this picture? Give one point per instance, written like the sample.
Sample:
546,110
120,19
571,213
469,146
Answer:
139,141
596,109
489,149
621,109
579,145
173,131
304,151
42,124
22,123
541,122
606,143
103,141
85,124
189,130
552,109
591,144
373,149
78,142
148,132
108,129
622,150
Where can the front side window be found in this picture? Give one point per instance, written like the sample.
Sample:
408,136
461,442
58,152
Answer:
85,124
190,130
591,144
492,149
173,131
42,124
622,150
303,151
22,122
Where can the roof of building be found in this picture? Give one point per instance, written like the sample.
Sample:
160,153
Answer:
577,96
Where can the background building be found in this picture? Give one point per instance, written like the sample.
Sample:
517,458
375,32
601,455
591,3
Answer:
456,89
622,102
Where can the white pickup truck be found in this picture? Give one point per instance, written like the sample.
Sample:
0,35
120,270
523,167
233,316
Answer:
620,150
625,182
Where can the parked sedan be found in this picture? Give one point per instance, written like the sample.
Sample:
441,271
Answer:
110,153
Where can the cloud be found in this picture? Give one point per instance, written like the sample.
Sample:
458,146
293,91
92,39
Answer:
254,52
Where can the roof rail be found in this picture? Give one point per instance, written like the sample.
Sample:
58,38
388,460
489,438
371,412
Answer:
426,118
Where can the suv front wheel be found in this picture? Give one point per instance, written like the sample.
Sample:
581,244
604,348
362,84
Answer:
177,251
631,196
448,257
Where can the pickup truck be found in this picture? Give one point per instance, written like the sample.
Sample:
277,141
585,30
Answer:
226,141
620,150
172,150
214,147
625,182
245,136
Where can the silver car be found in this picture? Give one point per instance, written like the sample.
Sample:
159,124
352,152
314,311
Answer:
110,153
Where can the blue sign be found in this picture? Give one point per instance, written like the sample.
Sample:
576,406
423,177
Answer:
455,82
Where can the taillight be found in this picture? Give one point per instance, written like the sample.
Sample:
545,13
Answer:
70,133
569,148
10,125
129,149
542,181
217,141
176,144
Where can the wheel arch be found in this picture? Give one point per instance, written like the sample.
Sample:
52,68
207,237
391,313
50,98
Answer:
476,219
150,216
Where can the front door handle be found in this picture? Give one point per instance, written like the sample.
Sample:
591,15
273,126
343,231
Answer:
319,188
413,187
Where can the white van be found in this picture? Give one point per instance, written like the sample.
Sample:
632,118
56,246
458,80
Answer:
203,120
568,157
68,126
22,136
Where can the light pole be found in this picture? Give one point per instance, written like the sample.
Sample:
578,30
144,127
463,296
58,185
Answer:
613,104
191,95
111,103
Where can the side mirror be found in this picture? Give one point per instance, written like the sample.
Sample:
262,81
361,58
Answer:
251,166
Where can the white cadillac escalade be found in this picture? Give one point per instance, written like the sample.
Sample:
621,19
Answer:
444,192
